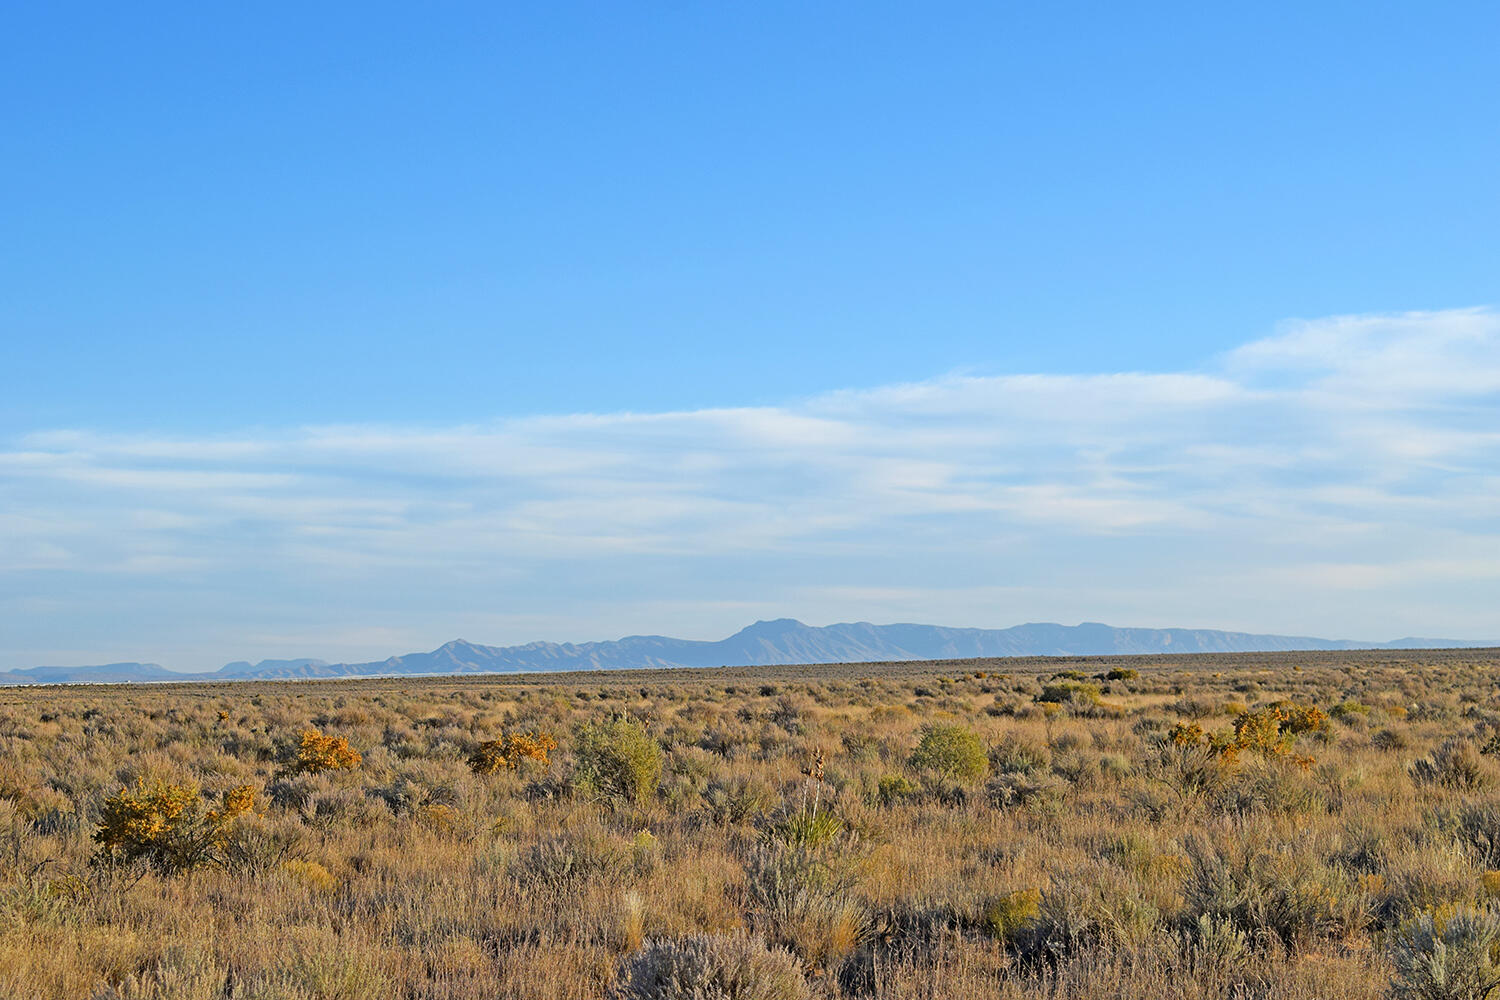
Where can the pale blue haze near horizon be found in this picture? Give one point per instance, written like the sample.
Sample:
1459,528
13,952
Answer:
344,330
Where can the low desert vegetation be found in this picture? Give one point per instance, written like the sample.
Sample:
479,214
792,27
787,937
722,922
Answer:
1262,826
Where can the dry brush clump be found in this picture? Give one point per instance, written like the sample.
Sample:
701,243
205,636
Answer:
711,967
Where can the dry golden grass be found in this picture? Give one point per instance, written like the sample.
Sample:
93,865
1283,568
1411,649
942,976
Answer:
1193,831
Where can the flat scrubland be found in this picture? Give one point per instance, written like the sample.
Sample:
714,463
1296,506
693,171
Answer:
1277,825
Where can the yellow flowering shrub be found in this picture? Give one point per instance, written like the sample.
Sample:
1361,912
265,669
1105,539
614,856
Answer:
509,750
317,753
1269,731
168,825
1186,734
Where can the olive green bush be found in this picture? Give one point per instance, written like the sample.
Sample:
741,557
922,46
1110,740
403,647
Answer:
951,751
616,759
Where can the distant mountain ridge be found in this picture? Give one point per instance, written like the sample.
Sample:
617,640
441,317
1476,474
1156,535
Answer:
783,641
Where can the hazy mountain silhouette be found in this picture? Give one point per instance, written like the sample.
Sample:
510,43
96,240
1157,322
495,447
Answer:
783,641
108,673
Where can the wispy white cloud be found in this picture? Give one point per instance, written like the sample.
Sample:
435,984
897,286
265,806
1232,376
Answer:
1338,463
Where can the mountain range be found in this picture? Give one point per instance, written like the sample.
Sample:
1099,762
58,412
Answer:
783,641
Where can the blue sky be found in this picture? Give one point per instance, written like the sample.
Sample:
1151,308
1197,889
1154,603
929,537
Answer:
344,331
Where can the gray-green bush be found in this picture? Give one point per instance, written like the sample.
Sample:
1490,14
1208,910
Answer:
711,967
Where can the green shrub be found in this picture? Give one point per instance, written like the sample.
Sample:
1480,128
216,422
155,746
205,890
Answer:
1071,693
1006,916
616,759
1347,711
894,788
951,751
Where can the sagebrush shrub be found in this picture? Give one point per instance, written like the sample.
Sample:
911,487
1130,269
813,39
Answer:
1195,771
1273,786
1476,825
256,845
1415,880
1098,906
1389,740
738,799
1041,793
1218,945
569,863
1455,764
710,967
803,897
1266,889
1018,754
1447,956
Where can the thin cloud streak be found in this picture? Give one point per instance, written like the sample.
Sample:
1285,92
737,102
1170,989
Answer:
1353,456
